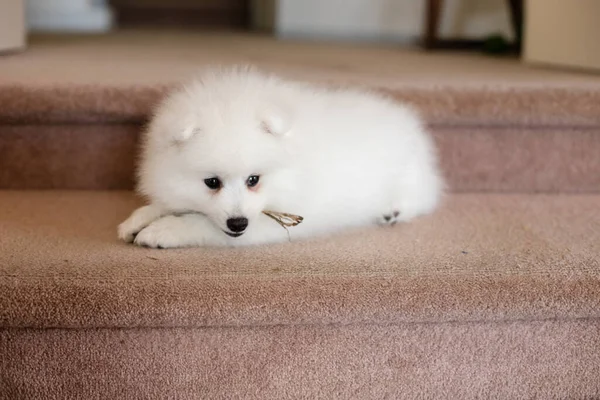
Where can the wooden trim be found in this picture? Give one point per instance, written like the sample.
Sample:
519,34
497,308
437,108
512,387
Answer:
432,22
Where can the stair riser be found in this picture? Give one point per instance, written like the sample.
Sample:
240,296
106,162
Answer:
441,105
102,156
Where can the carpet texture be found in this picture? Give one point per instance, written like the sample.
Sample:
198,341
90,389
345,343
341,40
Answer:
102,156
494,296
480,258
458,104
117,78
500,126
504,360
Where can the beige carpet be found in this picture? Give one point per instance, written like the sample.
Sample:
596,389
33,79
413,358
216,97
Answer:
117,77
102,156
554,359
481,258
150,58
71,108
495,296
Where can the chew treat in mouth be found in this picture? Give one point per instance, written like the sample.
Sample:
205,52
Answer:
284,219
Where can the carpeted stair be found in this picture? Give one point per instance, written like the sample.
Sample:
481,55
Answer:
497,295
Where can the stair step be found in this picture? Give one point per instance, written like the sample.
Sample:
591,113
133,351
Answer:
481,257
101,156
500,126
500,286
491,285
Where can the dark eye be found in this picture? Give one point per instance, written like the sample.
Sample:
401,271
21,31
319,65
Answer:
252,180
213,183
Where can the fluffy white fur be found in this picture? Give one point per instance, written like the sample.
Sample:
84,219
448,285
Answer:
338,158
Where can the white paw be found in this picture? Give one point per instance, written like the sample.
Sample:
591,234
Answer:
127,230
138,220
167,232
390,218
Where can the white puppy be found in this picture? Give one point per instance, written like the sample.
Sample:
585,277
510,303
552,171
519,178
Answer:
234,142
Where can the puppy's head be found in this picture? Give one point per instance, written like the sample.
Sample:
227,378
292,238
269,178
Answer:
217,146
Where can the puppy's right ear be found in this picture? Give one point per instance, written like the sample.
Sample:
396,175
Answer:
275,120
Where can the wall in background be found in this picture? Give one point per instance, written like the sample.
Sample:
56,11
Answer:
393,20
563,34
12,25
68,15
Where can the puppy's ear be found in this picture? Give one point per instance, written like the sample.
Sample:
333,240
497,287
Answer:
173,121
184,135
275,120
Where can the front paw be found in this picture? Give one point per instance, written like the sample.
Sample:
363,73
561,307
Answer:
162,234
127,231
137,221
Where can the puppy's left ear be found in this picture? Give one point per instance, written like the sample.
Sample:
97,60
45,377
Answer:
275,120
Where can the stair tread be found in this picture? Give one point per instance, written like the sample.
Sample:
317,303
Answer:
481,257
118,77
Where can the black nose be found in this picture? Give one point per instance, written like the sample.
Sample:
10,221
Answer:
237,224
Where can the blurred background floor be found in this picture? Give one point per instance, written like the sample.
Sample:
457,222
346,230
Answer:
131,57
